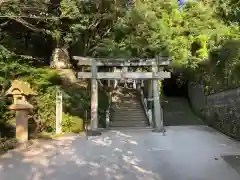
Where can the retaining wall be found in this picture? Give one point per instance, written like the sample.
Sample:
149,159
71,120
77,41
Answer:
220,110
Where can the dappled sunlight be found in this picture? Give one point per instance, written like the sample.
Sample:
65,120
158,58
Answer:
117,150
119,155
131,160
120,134
132,142
142,170
106,141
103,157
101,141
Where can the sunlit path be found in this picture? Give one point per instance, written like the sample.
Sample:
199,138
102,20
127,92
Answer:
192,152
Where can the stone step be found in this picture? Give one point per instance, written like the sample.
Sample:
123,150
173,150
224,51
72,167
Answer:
121,112
148,128
128,112
129,119
134,106
127,105
124,96
127,109
127,100
132,111
128,125
128,115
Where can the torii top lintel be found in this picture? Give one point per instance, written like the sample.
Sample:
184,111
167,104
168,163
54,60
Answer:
86,61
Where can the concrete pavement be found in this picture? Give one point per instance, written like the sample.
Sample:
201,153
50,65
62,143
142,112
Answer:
184,153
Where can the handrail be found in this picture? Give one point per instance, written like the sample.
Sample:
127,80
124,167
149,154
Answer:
147,111
108,110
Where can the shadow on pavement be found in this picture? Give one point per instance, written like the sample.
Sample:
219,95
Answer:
233,161
75,158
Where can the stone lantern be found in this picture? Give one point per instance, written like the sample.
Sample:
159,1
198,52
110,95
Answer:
20,91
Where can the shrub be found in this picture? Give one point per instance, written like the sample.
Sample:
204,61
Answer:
72,123
7,144
76,98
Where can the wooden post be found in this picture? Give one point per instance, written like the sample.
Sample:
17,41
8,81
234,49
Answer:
138,85
115,81
134,84
142,83
107,118
58,111
150,94
124,70
86,124
109,81
157,108
94,97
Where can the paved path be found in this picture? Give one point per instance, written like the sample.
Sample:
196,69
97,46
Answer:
185,153
178,112
189,152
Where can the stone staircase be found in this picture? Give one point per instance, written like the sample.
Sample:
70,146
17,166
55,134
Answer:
127,110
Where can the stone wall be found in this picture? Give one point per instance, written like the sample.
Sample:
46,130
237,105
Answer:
196,97
221,110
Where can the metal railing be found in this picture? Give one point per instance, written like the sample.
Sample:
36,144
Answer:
147,111
108,110
144,102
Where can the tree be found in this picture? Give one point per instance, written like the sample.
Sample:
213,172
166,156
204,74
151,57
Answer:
68,22
109,28
157,27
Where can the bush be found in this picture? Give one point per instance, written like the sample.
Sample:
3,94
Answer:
76,99
7,144
223,71
72,123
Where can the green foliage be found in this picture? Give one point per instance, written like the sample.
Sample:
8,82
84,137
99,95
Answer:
7,144
228,10
72,123
108,28
76,98
224,71
205,29
157,27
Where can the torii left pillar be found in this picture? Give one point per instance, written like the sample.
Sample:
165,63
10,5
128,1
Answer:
94,97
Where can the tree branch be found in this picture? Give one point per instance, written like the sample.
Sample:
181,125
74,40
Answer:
30,26
96,42
4,24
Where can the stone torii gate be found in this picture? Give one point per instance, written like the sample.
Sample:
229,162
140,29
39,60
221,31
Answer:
153,76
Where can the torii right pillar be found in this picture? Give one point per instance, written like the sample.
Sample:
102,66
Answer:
158,118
